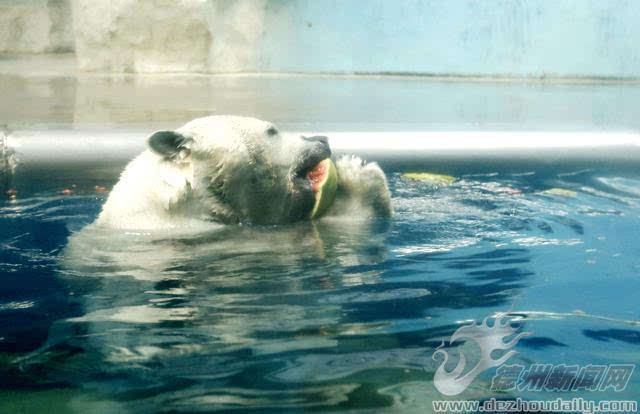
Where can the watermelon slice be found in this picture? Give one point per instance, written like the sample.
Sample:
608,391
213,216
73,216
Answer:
324,182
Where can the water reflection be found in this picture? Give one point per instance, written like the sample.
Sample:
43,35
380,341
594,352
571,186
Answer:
625,335
326,315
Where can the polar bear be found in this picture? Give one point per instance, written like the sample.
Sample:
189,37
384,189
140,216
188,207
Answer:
231,169
163,249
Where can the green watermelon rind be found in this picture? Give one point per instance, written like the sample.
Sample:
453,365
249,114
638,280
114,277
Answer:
327,192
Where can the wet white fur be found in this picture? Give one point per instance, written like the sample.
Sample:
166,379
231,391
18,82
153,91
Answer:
158,193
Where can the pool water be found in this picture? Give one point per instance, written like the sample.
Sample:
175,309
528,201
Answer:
318,317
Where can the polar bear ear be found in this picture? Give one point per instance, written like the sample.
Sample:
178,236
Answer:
169,144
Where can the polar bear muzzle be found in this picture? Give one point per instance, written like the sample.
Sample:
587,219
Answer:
311,156
300,201
263,189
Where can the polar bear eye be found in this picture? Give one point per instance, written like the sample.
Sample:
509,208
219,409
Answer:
272,131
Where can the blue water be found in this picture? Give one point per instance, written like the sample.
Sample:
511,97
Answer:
317,317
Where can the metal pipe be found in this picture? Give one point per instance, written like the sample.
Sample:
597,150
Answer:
48,154
71,146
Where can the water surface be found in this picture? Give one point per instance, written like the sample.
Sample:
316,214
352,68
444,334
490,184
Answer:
316,317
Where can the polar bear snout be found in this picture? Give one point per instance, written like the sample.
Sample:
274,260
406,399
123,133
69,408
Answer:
317,150
317,138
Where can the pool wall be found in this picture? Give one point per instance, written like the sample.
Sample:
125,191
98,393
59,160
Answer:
66,124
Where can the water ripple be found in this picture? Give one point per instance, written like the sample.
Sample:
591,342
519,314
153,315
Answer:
316,316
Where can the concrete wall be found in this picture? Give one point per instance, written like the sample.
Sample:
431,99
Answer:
35,26
460,37
519,38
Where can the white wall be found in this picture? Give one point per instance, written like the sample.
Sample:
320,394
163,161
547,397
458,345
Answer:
35,26
520,38
460,37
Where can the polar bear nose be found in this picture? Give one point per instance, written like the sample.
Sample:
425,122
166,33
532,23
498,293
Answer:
317,138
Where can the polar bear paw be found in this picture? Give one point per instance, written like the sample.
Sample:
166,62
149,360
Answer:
362,186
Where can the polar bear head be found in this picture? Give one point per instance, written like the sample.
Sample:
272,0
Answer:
241,169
